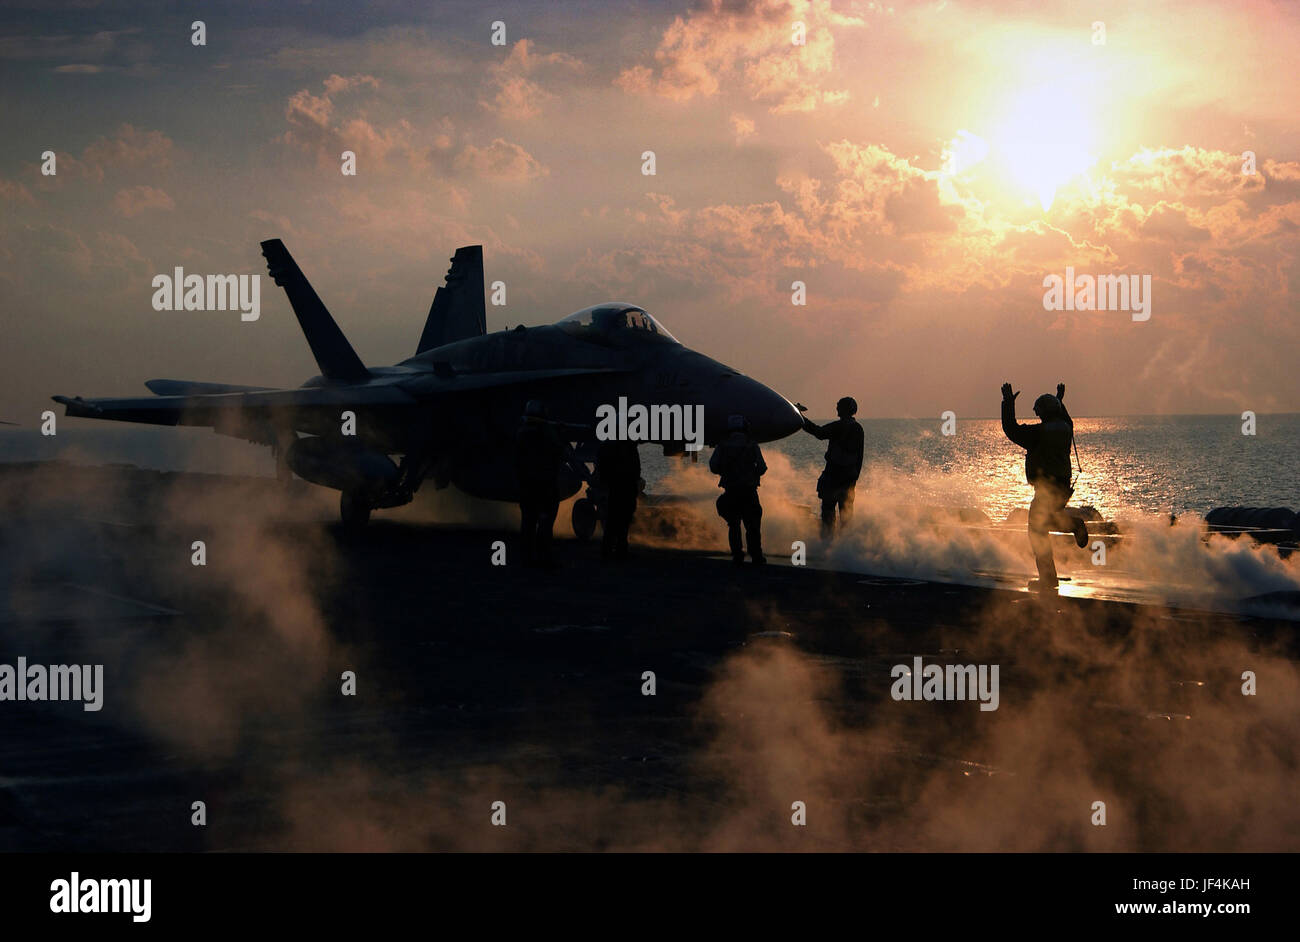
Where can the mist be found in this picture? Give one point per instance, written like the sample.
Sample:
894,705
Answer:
1137,707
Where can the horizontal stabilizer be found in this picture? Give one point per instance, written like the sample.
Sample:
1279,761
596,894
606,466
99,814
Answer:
183,387
337,360
458,311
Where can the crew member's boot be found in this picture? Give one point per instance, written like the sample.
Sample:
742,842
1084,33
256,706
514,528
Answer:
1080,529
1047,580
733,538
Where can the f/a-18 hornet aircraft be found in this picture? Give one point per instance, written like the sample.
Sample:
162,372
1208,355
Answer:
451,411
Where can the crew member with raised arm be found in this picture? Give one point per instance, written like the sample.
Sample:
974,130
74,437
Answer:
1047,468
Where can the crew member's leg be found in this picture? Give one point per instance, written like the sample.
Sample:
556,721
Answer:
609,531
826,494
727,510
754,526
527,527
625,524
1068,523
828,516
846,504
618,519
1042,509
546,511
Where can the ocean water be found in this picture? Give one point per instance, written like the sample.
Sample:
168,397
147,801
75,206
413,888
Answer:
1132,465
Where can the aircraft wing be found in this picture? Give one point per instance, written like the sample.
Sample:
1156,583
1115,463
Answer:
204,409
258,414
255,416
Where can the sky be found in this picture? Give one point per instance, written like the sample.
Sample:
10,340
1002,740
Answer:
921,168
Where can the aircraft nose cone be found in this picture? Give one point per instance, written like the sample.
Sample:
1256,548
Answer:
774,417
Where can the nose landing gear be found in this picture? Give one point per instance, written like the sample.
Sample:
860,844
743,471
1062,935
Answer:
355,511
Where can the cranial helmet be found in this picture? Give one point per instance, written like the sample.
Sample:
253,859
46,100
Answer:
736,423
847,406
1047,406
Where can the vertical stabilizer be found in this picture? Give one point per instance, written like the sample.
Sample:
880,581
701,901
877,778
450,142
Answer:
458,311
337,360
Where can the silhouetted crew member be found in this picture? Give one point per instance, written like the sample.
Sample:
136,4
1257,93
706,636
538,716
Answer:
1047,468
618,464
539,456
740,464
837,483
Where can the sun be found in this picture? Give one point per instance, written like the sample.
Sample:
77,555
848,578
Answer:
1040,140
1044,138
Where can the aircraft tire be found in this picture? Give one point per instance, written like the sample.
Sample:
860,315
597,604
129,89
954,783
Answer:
584,518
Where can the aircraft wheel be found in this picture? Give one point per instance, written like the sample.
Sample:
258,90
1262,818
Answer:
354,510
584,518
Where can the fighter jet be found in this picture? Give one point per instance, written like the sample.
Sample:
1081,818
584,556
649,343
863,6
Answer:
451,411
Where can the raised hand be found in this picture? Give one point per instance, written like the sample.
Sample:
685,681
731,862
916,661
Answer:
1060,390
1007,393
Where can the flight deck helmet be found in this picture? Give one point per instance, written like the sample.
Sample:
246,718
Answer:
1047,406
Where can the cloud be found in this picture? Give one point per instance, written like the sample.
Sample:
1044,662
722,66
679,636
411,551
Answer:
893,253
752,44
338,83
743,126
11,191
513,92
500,160
131,148
308,110
138,199
317,128
1185,173
120,46
45,260
850,223
1170,222
917,208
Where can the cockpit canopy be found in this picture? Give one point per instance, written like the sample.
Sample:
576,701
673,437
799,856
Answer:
614,317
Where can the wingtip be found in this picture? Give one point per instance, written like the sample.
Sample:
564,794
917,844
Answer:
76,406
